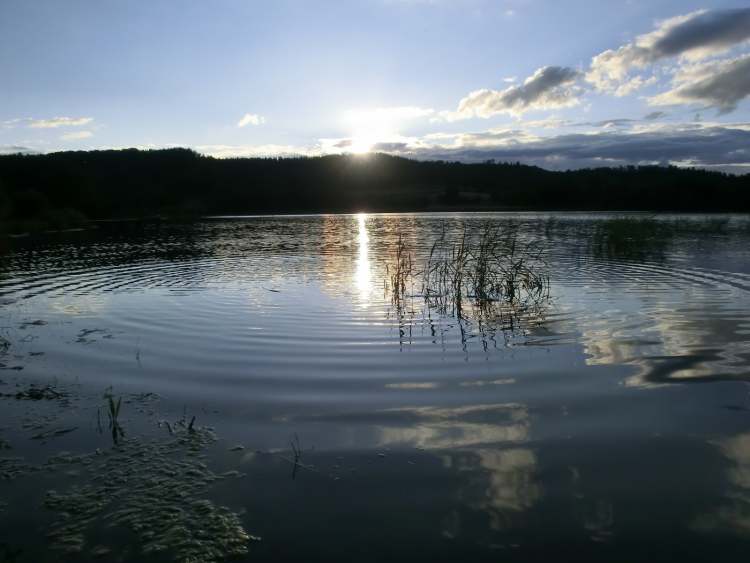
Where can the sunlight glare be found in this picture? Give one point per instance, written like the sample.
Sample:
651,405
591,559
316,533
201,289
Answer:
363,275
369,128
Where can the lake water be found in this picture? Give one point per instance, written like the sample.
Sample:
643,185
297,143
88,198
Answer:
612,426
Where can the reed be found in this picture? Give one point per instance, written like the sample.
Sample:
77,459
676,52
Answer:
401,272
491,273
112,407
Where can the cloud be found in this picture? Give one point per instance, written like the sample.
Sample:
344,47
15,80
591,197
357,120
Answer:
10,123
694,36
654,115
16,149
720,84
703,145
251,119
76,135
712,146
252,151
549,87
612,123
56,122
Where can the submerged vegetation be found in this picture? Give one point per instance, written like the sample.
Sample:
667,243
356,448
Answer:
59,190
634,237
153,489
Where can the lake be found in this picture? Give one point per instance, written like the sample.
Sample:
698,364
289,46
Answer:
251,388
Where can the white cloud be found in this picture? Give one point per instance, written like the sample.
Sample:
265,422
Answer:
251,119
549,87
56,122
10,123
250,151
76,135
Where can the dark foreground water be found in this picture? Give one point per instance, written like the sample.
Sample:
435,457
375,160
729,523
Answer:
274,400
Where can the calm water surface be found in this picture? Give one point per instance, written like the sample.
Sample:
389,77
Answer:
615,428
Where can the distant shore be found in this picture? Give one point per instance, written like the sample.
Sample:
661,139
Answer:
60,191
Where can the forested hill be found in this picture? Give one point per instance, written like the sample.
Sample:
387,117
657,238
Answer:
132,183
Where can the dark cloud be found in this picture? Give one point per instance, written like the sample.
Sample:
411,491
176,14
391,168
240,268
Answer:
714,30
389,147
711,147
16,149
654,115
721,85
695,36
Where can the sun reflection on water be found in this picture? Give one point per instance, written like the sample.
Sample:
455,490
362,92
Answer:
363,273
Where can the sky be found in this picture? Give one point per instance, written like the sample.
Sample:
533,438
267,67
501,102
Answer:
559,84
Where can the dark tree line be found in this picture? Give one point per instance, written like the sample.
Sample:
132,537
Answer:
62,188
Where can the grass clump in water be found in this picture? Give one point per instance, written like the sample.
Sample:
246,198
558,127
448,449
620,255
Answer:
112,408
492,274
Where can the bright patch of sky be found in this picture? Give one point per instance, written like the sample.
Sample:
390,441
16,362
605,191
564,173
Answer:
558,84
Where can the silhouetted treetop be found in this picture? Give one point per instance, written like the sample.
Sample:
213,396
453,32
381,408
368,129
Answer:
136,183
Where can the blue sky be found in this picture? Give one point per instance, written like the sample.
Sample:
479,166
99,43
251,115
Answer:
562,84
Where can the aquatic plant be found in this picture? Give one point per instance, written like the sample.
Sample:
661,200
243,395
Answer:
297,453
154,490
631,238
34,393
400,273
492,274
13,467
8,554
113,412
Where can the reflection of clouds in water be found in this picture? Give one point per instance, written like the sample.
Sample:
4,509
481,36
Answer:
483,382
671,336
511,484
734,513
80,305
414,385
501,483
442,428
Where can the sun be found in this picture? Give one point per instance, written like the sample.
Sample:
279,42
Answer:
368,129
362,142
